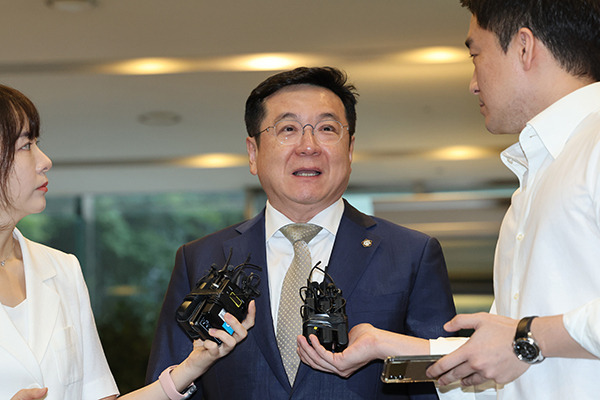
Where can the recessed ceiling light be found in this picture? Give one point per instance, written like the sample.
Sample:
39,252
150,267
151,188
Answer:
457,153
267,61
71,5
435,55
148,66
214,160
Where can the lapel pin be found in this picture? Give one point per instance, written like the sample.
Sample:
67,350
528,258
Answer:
367,243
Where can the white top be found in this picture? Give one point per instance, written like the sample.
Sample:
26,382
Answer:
63,351
19,316
280,252
548,254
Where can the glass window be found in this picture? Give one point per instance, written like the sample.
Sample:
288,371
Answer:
126,246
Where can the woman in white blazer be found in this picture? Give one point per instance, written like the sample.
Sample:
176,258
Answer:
49,346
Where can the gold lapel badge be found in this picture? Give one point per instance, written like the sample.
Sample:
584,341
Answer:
367,243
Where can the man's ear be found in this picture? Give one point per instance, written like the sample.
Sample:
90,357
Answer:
252,148
527,46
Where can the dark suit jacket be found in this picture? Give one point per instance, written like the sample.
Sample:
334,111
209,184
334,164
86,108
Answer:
399,283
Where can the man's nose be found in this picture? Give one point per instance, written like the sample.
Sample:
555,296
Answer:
308,140
473,85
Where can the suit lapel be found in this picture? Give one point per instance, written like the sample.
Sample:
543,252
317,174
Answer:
44,302
43,306
13,343
353,249
252,241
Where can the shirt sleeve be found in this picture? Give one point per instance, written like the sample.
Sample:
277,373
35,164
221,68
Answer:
583,324
445,345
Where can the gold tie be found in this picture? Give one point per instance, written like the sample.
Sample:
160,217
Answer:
289,321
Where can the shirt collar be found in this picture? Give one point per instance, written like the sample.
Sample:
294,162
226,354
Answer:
556,123
329,219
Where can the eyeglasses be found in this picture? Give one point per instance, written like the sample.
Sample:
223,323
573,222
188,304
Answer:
290,131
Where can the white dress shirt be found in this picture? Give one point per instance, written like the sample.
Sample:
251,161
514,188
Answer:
548,254
280,252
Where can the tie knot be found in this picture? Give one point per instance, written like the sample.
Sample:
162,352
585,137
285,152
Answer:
303,232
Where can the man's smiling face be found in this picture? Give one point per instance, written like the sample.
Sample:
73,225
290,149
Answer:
303,179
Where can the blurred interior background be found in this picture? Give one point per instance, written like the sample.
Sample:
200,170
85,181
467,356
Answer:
142,113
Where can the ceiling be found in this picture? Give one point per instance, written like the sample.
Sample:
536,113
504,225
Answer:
91,113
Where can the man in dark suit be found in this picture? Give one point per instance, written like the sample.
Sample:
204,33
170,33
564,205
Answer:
301,125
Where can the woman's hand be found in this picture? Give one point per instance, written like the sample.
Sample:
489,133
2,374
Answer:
206,352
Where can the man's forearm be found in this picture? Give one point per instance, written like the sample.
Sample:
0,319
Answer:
554,340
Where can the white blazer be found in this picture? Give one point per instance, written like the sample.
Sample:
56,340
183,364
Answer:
63,352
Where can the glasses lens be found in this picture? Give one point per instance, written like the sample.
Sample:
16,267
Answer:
328,131
288,131
325,132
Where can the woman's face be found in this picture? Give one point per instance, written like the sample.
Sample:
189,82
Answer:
27,182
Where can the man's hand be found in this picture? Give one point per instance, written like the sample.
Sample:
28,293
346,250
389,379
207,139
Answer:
360,351
365,344
488,354
30,394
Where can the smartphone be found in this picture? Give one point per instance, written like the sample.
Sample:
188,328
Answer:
406,369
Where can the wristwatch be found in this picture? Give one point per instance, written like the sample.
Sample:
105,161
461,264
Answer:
524,345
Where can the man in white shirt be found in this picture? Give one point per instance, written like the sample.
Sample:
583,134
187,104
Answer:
536,71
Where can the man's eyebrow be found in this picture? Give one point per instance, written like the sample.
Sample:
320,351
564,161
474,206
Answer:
290,115
328,115
287,115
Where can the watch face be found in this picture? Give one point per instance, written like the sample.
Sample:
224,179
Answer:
526,350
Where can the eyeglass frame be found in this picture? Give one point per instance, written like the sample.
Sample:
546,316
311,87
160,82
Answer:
344,128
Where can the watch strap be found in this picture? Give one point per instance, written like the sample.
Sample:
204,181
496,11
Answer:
524,327
167,384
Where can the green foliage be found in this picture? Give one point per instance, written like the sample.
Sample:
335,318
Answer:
132,254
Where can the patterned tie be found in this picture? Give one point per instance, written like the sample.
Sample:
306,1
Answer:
289,321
